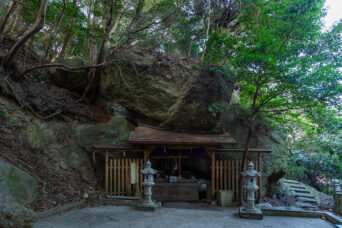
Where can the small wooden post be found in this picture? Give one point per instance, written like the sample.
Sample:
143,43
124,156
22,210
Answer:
217,175
233,179
106,172
147,153
221,175
225,175
111,176
119,177
259,178
212,175
115,174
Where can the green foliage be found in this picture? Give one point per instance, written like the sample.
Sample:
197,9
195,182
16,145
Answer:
323,166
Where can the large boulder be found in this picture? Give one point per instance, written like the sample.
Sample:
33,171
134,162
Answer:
72,80
16,188
164,91
16,185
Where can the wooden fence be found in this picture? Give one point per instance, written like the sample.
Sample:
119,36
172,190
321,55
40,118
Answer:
226,173
122,176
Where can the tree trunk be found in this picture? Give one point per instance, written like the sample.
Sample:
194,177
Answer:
67,35
244,160
11,7
313,180
15,17
56,28
36,27
90,31
96,73
114,27
207,31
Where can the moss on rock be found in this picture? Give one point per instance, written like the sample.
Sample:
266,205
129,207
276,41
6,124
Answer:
21,186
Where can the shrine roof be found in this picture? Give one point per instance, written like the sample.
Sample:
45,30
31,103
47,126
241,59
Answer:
148,135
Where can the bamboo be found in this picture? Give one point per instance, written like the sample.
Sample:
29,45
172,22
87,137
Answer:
136,186
221,175
217,180
129,177
119,177
212,175
233,179
229,175
225,174
237,174
115,184
106,172
111,177
122,177
260,178
142,165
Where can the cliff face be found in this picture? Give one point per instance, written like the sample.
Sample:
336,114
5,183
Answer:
164,91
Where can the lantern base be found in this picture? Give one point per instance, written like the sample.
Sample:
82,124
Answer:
250,214
147,206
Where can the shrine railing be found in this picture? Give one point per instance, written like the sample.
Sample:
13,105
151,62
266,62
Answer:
122,176
226,175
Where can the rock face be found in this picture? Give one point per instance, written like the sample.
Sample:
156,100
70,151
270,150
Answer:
16,185
16,188
164,91
72,80
264,137
115,132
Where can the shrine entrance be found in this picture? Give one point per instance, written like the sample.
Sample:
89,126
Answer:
191,166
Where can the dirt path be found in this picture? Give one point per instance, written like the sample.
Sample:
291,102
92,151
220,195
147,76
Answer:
124,216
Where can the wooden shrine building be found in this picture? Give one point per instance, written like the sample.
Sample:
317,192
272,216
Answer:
173,154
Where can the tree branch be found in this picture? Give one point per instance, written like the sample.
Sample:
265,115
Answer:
63,66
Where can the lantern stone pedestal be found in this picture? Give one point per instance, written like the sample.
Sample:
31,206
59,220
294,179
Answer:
148,204
250,211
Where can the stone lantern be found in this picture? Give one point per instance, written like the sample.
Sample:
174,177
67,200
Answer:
250,211
148,204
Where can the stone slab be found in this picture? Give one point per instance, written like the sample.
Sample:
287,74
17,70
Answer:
300,190
246,215
291,181
298,194
279,211
296,186
307,200
305,205
333,218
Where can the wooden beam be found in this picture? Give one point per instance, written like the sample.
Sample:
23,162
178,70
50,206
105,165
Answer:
209,150
239,150
106,172
147,152
259,178
114,148
169,157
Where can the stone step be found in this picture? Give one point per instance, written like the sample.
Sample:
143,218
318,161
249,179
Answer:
291,181
300,190
305,205
306,200
299,194
296,186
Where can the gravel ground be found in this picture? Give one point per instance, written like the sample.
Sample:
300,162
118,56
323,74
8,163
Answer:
124,216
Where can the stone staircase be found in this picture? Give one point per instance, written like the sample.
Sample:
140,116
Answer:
304,199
